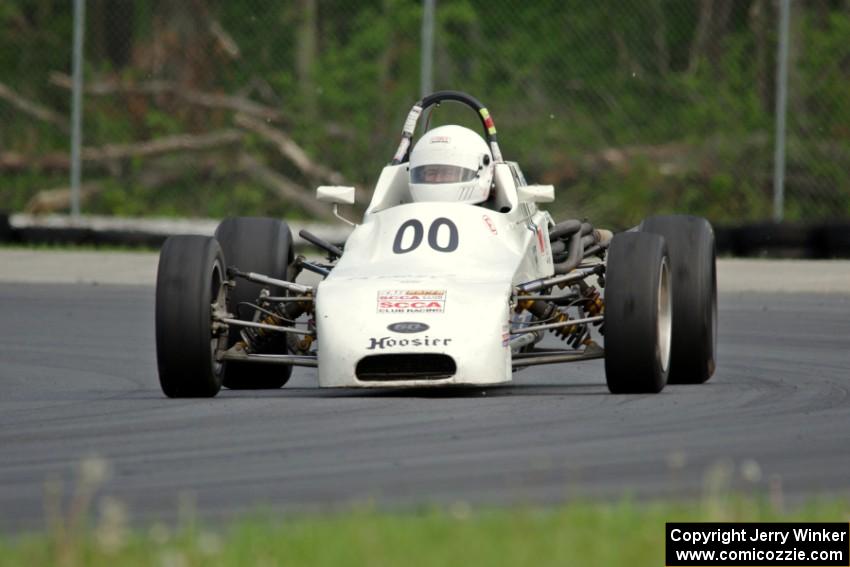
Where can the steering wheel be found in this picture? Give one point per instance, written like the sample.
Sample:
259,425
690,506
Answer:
402,154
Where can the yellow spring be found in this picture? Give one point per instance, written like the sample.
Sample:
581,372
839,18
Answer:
563,332
594,306
304,344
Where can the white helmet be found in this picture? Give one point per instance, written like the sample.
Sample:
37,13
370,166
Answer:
451,163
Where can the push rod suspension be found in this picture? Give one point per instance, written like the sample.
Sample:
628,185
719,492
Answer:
266,326
260,278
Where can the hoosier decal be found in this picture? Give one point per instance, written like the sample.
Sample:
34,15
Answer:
390,342
411,301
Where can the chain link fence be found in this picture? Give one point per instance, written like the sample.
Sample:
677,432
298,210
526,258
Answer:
209,107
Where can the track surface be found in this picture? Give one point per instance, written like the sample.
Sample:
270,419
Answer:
78,377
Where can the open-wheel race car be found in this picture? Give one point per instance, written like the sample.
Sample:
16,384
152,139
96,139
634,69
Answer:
453,277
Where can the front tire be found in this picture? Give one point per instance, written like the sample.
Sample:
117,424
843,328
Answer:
690,241
263,246
189,282
638,318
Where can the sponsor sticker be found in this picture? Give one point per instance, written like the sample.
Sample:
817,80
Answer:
540,242
411,301
490,224
441,140
412,118
382,343
408,327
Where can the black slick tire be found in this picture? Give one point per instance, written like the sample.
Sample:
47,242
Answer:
637,314
189,280
691,245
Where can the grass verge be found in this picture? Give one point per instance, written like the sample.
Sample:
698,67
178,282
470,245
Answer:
583,533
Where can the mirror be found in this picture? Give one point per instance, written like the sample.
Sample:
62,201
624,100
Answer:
536,193
336,194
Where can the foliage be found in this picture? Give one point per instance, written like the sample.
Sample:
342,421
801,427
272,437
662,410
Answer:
582,533
566,81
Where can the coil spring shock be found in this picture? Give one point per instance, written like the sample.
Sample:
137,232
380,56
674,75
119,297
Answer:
256,340
262,340
549,312
574,335
593,305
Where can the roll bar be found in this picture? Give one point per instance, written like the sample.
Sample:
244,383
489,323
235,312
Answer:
402,154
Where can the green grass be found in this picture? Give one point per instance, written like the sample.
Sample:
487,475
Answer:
583,533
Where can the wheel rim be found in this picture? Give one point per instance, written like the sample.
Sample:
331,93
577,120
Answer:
664,319
217,293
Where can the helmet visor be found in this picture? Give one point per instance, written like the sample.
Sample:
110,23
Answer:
436,173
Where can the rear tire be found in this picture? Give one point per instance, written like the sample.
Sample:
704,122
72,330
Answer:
690,242
189,280
264,246
638,319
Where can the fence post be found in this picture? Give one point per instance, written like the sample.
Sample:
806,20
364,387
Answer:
781,104
426,80
77,105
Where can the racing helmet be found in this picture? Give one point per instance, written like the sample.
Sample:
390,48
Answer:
453,164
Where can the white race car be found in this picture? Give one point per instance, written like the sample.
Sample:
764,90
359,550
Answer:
429,293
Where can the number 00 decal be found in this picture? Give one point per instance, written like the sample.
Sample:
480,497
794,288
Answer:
434,231
419,232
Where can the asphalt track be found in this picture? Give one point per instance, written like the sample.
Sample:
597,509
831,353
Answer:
78,378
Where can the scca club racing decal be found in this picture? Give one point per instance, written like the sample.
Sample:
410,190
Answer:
411,301
390,342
